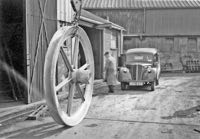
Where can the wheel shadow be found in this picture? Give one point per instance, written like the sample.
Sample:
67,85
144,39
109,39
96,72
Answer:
139,88
188,113
133,90
38,131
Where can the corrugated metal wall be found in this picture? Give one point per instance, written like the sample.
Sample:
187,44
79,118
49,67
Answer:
173,21
131,20
155,22
41,24
64,10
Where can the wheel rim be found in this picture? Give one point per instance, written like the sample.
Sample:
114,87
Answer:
77,78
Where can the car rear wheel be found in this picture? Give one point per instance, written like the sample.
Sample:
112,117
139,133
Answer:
157,82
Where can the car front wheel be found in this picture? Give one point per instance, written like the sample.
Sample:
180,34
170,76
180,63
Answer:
124,86
153,86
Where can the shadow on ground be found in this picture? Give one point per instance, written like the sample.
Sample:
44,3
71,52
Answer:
10,104
131,91
6,101
38,131
188,113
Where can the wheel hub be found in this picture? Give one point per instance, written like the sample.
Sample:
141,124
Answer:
81,76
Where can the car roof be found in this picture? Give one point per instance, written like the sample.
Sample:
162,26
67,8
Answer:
142,50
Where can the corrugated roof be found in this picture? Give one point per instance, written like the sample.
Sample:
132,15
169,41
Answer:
137,4
92,16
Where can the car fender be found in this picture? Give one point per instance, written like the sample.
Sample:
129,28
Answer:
152,74
124,75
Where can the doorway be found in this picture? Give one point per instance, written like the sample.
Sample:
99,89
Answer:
96,39
12,51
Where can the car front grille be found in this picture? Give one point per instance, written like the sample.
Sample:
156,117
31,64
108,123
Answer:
136,71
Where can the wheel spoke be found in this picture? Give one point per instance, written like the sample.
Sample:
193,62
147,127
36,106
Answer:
80,92
63,83
76,52
85,66
70,98
65,59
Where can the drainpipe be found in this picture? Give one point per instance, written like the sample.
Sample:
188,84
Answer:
144,27
122,46
144,21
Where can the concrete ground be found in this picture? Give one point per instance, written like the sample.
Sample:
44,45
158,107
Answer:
172,111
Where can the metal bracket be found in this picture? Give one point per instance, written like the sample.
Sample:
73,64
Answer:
76,6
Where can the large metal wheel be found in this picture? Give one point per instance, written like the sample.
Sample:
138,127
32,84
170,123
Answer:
69,74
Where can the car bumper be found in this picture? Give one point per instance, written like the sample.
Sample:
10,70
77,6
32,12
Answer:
139,83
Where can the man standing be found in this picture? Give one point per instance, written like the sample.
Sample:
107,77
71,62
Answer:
110,72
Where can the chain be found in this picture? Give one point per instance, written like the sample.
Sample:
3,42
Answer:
75,22
76,6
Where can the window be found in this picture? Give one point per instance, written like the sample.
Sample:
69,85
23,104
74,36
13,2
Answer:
192,45
139,57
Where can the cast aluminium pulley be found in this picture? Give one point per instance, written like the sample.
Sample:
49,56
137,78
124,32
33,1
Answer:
69,73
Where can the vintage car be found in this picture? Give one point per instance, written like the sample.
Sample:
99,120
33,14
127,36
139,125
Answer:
139,67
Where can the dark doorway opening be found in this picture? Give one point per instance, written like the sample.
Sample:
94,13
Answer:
96,39
12,51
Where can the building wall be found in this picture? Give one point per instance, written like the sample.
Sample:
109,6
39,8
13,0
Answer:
175,32
107,36
64,10
131,20
41,24
26,27
173,22
154,21
112,43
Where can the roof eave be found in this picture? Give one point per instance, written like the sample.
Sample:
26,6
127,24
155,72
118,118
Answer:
90,20
141,8
101,25
117,27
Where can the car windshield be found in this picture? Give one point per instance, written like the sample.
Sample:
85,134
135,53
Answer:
139,57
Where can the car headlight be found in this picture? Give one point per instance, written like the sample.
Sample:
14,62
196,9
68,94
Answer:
125,70
148,69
